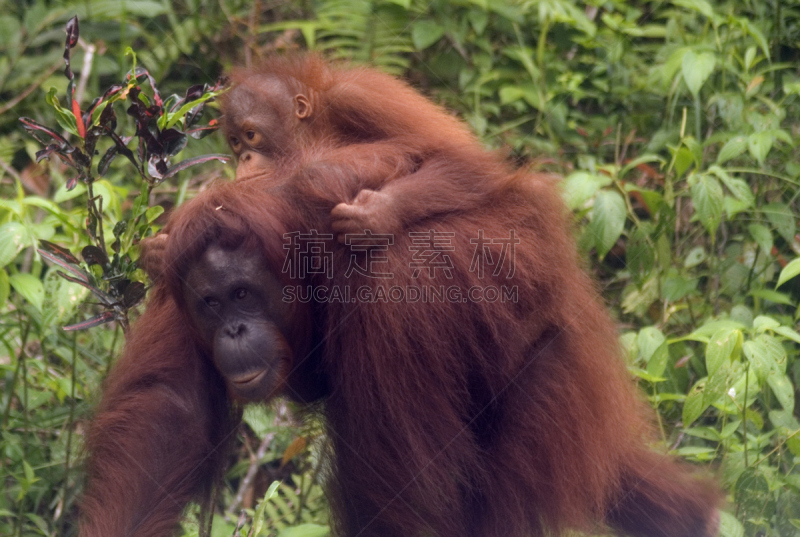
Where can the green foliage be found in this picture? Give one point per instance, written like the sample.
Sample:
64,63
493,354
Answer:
675,127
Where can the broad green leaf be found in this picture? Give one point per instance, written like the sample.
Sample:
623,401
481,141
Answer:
782,388
738,187
30,288
766,355
788,333
694,405
752,493
306,530
649,340
759,144
608,220
721,348
729,525
696,68
644,375
675,287
763,237
13,238
716,385
510,94
684,158
701,6
729,429
705,332
640,254
695,256
658,361
5,287
153,212
782,217
579,187
707,197
772,296
425,33
732,149
791,270
756,34
764,322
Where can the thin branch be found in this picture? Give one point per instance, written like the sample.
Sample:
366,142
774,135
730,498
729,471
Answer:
251,472
30,89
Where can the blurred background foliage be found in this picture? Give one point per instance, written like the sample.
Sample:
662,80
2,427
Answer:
674,124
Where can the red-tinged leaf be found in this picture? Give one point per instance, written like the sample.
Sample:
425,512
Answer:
140,72
202,132
80,276
173,141
182,165
112,90
94,256
57,251
97,320
105,299
76,111
133,294
71,183
73,32
33,128
194,93
106,159
121,146
46,152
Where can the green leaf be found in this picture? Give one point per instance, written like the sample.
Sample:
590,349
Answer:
716,385
13,238
153,212
675,287
782,388
694,406
791,270
763,237
721,348
759,144
732,149
653,350
738,187
701,6
772,296
608,220
425,33
658,362
5,287
579,187
684,158
705,332
788,333
752,494
766,355
729,525
696,69
306,530
763,323
649,340
695,256
707,197
781,216
30,288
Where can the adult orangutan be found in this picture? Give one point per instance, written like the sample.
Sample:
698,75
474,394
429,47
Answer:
461,413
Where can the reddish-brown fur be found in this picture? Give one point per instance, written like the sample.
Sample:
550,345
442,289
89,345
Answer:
447,418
